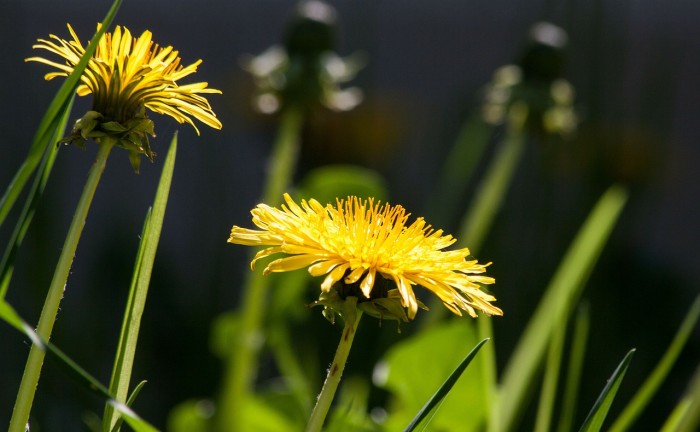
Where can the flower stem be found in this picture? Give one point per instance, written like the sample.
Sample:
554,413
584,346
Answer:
352,318
242,363
32,370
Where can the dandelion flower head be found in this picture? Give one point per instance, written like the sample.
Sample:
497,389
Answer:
362,244
125,75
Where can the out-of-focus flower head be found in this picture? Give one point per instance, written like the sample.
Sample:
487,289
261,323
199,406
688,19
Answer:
535,86
305,70
126,76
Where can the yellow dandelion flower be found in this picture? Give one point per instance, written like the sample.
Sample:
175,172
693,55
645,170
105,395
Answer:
125,75
369,251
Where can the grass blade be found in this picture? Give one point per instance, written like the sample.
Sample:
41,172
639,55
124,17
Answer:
444,389
558,300
573,374
686,415
129,403
49,122
126,350
594,420
9,315
551,378
35,193
646,392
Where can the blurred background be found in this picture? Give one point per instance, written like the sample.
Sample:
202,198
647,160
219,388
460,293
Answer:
634,65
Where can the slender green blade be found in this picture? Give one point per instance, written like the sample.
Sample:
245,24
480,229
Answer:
596,417
651,385
49,121
129,403
444,389
35,193
557,302
575,366
550,380
9,315
685,417
126,350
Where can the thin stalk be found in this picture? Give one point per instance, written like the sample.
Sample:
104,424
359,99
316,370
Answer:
352,319
32,370
242,363
494,187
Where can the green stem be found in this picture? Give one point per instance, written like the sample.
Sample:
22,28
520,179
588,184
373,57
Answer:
352,319
242,363
490,194
32,370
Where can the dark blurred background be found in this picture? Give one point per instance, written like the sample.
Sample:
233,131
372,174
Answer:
634,64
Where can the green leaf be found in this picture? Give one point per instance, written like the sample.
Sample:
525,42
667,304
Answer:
596,417
191,416
8,314
351,413
573,373
686,415
557,303
51,119
412,377
444,389
326,184
136,303
549,383
651,385
129,403
35,193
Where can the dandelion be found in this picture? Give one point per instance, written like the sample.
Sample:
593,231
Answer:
127,75
367,250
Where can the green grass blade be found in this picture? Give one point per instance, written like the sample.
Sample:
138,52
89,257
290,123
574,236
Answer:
444,389
35,193
558,300
646,392
49,121
129,403
126,351
9,315
573,374
550,380
686,415
596,417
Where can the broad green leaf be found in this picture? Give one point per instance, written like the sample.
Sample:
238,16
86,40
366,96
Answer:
191,416
35,193
136,303
51,118
444,390
558,300
596,417
415,367
651,385
350,412
261,416
328,183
